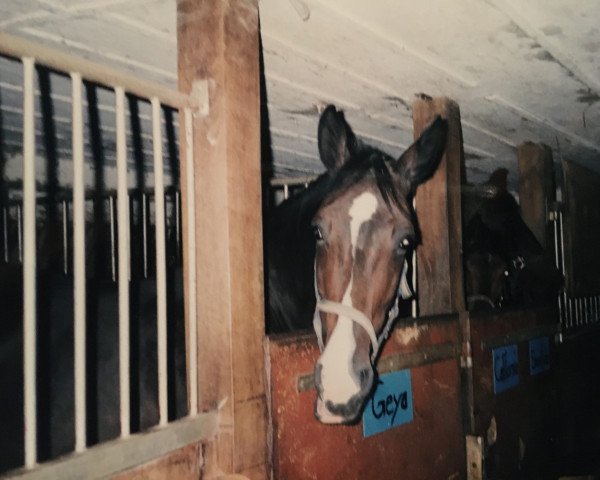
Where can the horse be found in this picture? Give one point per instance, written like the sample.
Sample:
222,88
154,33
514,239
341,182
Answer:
505,265
336,254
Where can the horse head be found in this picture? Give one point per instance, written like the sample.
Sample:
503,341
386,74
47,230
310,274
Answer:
364,229
504,262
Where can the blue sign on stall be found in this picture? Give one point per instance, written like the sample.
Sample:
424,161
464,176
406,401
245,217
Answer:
506,368
391,404
539,355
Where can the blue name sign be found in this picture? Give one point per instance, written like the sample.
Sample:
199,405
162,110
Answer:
539,355
391,404
506,368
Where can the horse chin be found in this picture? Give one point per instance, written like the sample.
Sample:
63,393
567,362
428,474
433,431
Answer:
324,415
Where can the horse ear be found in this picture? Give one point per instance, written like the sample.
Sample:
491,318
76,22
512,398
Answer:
337,141
420,160
499,179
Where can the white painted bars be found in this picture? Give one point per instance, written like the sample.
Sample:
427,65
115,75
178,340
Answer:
29,264
191,263
79,282
123,259
161,262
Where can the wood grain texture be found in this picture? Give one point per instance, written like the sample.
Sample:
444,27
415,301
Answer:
182,464
537,189
431,446
218,41
439,257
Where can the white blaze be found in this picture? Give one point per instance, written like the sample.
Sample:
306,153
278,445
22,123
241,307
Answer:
338,379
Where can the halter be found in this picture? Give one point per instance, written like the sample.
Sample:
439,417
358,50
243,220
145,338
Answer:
328,306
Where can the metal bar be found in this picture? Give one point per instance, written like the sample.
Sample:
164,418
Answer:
161,262
561,313
28,254
123,252
113,256
571,313
5,232
562,242
191,262
65,239
98,73
414,306
145,233
79,282
178,223
20,231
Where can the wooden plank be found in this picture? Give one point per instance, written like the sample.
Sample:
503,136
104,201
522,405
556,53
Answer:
581,197
103,74
118,455
401,361
304,448
518,425
537,189
439,258
219,41
182,464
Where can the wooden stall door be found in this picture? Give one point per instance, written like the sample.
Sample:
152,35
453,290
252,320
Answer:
431,446
518,425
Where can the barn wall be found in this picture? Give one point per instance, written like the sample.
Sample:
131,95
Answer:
581,198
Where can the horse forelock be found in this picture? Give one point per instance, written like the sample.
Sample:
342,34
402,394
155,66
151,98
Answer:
372,163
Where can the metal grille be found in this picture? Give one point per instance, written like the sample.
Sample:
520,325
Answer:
158,210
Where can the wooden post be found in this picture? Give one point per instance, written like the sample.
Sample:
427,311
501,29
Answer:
218,42
439,257
536,189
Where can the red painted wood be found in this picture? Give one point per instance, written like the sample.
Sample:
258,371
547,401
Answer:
431,446
527,411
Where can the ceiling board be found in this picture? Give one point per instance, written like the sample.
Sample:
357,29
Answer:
519,71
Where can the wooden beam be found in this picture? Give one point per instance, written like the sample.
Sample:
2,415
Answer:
218,42
537,189
439,257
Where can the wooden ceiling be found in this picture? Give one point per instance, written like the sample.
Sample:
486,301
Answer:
520,71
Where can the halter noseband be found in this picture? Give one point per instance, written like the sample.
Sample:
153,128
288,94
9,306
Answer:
328,306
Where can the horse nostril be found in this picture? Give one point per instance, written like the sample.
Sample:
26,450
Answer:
366,378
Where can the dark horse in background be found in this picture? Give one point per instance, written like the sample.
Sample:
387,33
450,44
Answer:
505,265
336,252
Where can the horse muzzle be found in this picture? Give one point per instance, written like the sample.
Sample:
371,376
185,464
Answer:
347,412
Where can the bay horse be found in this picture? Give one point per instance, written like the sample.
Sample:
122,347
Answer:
505,265
336,252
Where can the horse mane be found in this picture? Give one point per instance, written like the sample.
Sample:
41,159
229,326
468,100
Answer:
370,161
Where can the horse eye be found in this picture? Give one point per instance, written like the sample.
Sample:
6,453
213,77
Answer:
405,242
317,233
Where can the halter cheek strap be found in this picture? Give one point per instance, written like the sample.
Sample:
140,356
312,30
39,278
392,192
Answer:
328,306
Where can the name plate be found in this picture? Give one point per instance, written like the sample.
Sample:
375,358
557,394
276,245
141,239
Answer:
539,355
391,404
505,368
